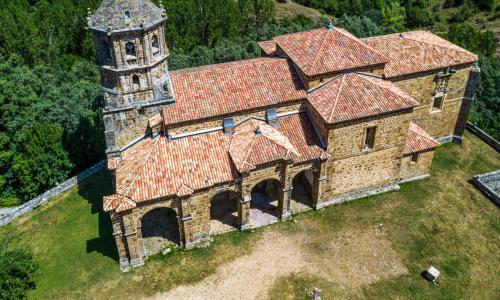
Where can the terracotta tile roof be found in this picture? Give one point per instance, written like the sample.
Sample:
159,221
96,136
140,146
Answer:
354,96
418,140
157,167
230,87
418,51
321,51
269,47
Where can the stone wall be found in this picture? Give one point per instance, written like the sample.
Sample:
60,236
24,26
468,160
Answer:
422,166
439,123
217,122
351,167
12,213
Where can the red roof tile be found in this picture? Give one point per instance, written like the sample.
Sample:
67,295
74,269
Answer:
419,51
223,89
321,51
269,47
418,140
157,167
354,96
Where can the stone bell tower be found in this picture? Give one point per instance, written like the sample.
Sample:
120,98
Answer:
132,56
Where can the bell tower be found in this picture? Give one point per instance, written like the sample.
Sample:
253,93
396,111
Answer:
132,56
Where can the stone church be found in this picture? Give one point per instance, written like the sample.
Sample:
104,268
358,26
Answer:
321,118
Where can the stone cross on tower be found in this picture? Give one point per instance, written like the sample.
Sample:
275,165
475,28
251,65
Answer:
132,55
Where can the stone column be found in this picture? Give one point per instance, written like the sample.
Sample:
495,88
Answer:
185,225
320,178
133,238
463,115
244,212
284,203
120,241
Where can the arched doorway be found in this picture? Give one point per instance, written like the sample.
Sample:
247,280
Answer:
302,185
264,202
160,230
224,212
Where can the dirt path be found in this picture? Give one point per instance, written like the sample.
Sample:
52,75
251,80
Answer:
248,277
350,260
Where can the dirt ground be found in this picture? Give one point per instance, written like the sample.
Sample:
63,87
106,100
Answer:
349,259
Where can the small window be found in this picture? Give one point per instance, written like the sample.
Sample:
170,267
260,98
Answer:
155,45
414,157
106,52
369,138
136,83
127,15
130,49
437,103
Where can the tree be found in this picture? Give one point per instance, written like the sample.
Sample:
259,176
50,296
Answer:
394,15
17,269
41,162
360,26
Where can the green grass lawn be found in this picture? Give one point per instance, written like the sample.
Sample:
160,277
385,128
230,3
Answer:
441,221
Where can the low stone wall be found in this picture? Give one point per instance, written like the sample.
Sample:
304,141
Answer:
489,184
488,139
7,215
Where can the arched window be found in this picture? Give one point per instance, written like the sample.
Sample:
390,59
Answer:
155,45
136,82
130,49
127,15
106,53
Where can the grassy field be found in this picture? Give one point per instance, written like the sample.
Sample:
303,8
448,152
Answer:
442,221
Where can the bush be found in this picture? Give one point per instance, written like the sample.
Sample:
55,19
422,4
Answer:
17,269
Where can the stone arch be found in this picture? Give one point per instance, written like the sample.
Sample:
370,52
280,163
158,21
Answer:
130,49
155,44
160,229
265,198
224,211
302,192
136,82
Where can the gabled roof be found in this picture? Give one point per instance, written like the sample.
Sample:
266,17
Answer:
323,50
418,51
269,47
157,167
223,89
354,96
111,15
418,140
255,142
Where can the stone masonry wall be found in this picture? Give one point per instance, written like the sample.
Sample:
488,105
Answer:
238,117
351,167
439,123
411,169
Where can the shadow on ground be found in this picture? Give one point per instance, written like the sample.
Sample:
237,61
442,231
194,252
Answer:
93,190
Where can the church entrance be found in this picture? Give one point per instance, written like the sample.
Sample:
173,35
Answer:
264,202
160,230
224,212
301,198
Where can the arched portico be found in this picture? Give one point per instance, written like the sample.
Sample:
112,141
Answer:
160,229
224,212
264,202
302,194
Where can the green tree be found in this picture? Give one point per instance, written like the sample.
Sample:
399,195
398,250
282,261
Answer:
17,269
394,15
360,26
41,162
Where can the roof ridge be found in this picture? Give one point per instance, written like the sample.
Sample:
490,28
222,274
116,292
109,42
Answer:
457,48
325,36
358,40
248,152
236,63
429,138
376,81
142,165
336,98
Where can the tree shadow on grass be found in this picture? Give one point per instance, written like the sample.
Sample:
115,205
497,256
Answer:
93,190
